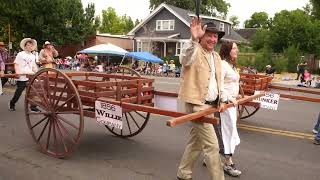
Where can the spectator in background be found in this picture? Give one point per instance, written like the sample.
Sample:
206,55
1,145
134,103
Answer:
25,63
3,59
270,70
316,130
47,55
2,67
135,65
300,69
306,78
165,68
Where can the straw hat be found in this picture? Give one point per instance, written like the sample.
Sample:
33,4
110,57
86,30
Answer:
1,43
25,40
268,66
46,44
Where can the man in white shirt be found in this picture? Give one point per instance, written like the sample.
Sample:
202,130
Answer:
24,64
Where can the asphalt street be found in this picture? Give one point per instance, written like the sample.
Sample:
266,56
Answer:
275,145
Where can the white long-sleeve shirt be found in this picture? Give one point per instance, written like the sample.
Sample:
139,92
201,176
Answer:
230,82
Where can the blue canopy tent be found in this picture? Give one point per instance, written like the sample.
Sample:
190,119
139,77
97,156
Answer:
144,56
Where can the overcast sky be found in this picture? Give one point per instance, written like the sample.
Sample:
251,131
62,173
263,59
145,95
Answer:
241,8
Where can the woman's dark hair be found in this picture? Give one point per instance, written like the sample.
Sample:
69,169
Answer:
225,50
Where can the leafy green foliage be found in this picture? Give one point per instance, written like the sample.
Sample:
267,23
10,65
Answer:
294,56
294,28
258,20
315,10
112,23
60,21
234,21
212,7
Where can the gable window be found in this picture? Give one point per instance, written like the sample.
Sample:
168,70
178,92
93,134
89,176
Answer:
164,25
179,46
221,26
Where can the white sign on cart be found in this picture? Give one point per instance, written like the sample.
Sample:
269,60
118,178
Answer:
108,114
268,101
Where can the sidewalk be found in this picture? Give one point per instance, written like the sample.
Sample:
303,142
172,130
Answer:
289,79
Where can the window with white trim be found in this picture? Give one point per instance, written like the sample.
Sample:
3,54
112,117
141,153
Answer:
179,46
142,46
221,26
165,25
139,46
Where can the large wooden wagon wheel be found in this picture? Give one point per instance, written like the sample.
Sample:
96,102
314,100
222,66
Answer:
133,122
58,127
246,111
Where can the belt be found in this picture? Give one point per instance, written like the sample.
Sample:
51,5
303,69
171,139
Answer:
215,102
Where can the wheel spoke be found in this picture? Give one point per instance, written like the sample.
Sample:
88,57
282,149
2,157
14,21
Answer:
246,110
35,90
39,122
54,135
45,126
37,103
67,122
61,138
68,112
55,89
45,95
49,133
125,114
73,96
134,120
140,115
66,132
58,100
36,113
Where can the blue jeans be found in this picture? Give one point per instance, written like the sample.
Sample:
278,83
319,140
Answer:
317,127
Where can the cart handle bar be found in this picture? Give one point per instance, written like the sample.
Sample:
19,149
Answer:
196,115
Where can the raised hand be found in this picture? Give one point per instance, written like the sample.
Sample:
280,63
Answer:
196,30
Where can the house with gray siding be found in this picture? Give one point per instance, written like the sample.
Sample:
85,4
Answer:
166,28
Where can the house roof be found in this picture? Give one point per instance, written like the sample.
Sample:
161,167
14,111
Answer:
182,14
234,36
247,33
185,16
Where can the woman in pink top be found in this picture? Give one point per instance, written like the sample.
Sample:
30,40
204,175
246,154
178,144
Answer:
307,77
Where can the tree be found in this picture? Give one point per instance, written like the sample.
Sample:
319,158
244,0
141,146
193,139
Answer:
210,7
258,20
294,28
315,11
234,21
136,22
261,39
60,21
114,24
110,21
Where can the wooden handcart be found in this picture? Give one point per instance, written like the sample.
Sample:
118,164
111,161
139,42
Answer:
65,98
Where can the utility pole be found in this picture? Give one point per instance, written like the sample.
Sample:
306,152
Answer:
10,43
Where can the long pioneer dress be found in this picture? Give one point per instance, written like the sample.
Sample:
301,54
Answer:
230,91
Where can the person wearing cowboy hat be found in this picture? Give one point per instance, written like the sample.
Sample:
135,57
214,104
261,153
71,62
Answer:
269,70
200,89
3,59
47,55
24,64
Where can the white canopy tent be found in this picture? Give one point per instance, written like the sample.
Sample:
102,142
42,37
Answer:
104,49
